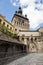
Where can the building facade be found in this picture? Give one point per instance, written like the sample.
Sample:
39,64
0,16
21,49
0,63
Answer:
20,22
33,39
4,22
20,25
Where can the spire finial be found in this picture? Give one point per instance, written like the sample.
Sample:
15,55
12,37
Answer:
20,10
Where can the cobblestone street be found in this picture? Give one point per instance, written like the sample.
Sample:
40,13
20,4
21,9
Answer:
30,59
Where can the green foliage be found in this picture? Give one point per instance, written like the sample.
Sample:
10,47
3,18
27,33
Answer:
5,30
15,36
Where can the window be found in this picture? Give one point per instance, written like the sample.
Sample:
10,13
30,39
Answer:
19,30
32,46
7,25
0,20
22,39
41,33
3,23
31,39
15,29
23,22
17,23
19,19
28,46
23,35
35,39
27,39
10,28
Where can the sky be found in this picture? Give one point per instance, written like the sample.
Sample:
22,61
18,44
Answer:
33,9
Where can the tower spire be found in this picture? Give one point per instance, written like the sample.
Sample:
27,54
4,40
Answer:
20,10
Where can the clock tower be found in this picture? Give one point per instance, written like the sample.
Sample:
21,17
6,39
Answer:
19,21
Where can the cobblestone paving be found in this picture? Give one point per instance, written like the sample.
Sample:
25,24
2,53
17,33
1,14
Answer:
30,59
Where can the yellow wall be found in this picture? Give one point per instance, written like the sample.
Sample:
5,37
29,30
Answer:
3,20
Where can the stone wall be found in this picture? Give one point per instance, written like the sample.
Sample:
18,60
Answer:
20,23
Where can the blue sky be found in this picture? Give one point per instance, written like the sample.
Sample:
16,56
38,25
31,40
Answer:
33,9
7,9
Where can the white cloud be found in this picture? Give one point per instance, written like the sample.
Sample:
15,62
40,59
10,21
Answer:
35,15
23,3
14,4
